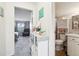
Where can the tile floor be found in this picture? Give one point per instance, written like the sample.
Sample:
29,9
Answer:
22,47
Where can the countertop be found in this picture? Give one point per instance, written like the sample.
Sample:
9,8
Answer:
41,37
73,34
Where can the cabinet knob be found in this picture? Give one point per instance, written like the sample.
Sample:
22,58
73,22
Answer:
73,39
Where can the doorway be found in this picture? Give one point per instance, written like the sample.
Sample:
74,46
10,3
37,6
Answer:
23,26
61,39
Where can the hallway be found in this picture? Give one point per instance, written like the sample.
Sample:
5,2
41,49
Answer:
22,47
40,15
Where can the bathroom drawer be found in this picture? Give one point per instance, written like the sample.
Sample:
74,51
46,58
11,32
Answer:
75,39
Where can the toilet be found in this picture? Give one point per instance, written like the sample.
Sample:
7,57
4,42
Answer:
59,44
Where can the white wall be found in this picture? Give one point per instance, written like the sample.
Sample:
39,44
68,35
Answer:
2,34
2,37
22,14
7,34
29,6
9,28
67,8
48,24
52,27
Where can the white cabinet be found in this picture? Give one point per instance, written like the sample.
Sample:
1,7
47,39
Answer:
40,46
77,49
43,48
73,46
70,46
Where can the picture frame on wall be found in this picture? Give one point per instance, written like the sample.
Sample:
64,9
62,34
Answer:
75,22
76,25
41,13
1,11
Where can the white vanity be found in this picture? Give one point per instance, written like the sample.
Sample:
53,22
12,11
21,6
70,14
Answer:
40,46
73,44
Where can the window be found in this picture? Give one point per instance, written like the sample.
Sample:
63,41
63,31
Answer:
20,27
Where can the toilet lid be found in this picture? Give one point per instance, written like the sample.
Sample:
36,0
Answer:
59,41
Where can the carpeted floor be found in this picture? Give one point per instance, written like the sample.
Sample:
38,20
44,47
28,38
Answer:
22,47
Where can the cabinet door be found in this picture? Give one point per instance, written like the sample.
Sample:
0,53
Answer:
76,46
43,48
76,49
71,46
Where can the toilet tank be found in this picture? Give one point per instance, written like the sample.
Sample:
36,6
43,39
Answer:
63,37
